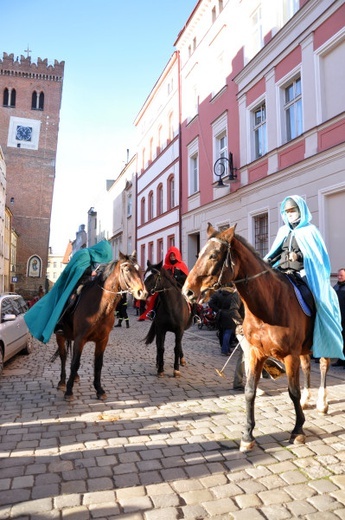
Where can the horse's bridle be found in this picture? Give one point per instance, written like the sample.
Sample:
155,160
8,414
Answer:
228,261
123,281
158,279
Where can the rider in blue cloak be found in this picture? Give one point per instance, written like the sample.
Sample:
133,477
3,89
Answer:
299,247
42,318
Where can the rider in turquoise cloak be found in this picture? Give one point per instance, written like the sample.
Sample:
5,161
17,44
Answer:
316,271
44,315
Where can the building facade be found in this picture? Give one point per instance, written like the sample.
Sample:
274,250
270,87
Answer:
271,109
29,123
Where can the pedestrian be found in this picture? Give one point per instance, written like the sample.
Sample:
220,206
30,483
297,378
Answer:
172,262
299,249
339,288
121,311
226,303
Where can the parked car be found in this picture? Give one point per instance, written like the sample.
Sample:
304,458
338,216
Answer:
14,334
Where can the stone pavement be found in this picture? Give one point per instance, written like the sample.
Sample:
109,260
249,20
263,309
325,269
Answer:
162,448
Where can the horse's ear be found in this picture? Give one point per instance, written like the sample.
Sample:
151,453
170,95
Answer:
121,255
229,233
210,229
148,264
160,265
134,255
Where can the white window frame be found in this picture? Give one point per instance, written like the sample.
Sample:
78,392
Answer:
193,168
281,114
220,139
257,129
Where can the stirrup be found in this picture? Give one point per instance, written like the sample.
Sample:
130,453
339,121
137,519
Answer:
151,315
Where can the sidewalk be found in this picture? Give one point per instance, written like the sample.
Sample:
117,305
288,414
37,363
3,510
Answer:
162,448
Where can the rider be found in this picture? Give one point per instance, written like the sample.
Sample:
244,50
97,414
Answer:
299,248
172,262
42,318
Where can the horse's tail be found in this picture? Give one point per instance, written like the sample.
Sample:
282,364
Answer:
151,334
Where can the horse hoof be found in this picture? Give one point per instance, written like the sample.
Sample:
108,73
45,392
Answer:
61,386
76,379
69,398
160,374
245,446
102,397
177,373
297,439
323,410
183,362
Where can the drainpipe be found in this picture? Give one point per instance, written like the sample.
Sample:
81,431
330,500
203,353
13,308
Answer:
180,148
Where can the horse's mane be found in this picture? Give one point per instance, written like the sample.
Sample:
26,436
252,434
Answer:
250,247
168,276
107,270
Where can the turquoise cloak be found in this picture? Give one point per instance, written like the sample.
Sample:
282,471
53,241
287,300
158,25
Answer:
44,315
328,341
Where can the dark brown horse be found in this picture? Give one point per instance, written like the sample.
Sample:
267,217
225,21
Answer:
92,319
172,314
274,324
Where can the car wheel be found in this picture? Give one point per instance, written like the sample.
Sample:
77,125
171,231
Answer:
1,360
28,348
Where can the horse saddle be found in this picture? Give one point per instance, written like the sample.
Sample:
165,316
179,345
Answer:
303,294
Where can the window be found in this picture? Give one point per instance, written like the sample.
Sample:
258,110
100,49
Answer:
171,127
160,199
129,205
220,139
193,174
160,250
293,109
142,255
255,35
9,99
261,234
150,206
142,211
37,101
171,241
150,252
260,136
171,192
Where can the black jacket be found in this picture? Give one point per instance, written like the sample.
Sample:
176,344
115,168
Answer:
229,308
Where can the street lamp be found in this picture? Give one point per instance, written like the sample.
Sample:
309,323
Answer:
221,167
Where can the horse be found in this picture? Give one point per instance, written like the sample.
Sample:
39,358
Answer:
92,318
172,314
275,324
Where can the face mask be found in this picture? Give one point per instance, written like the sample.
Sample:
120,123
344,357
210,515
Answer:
293,216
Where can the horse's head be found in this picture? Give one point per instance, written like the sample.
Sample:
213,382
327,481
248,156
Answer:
152,277
213,267
129,276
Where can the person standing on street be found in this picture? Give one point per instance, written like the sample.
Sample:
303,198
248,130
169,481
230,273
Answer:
339,288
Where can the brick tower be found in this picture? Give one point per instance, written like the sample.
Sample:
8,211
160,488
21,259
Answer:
29,124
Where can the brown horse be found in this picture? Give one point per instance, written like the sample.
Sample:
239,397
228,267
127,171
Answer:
274,324
92,319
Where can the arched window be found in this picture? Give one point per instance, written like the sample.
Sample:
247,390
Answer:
9,97
37,101
150,207
171,192
160,199
142,211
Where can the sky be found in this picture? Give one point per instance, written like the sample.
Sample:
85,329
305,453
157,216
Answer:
114,52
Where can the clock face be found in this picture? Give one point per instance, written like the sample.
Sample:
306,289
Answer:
23,133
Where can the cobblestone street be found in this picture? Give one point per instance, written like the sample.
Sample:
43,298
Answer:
162,448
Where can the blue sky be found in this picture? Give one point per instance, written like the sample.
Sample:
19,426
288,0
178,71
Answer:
114,52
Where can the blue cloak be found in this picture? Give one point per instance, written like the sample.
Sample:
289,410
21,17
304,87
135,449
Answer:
328,341
44,315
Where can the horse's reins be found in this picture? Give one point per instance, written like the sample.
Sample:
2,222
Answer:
228,261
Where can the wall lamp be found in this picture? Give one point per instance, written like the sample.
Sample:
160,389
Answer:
225,166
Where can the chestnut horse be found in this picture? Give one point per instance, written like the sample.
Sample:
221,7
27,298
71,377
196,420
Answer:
172,314
275,324
93,318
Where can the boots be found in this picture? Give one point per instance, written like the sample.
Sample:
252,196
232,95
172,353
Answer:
127,324
119,324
